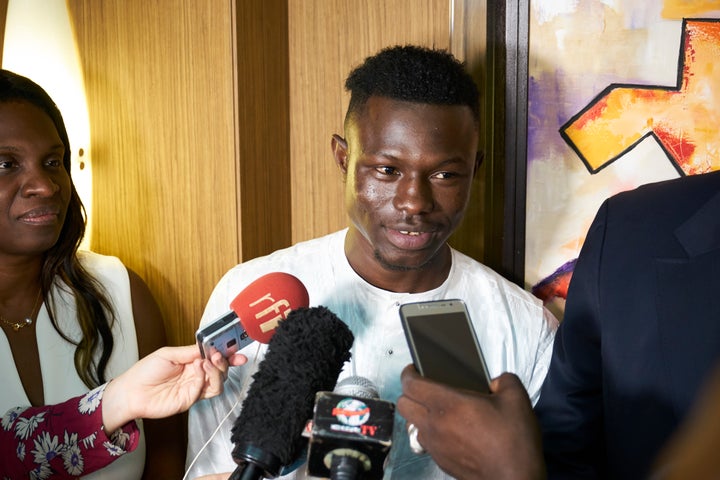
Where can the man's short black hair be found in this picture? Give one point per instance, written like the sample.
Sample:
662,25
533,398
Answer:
414,74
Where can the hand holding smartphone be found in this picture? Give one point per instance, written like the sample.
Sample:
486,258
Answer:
443,344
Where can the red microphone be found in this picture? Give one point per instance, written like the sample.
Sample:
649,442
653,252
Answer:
255,314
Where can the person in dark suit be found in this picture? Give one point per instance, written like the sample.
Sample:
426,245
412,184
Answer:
641,331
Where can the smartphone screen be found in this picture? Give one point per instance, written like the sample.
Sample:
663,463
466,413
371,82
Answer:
443,344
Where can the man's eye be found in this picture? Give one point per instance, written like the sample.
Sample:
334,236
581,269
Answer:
445,175
386,170
6,163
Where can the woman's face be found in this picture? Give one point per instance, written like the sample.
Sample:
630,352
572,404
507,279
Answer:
35,188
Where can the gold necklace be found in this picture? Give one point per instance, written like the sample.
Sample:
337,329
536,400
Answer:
28,320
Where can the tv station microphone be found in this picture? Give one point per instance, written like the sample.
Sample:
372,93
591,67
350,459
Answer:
305,356
351,432
254,314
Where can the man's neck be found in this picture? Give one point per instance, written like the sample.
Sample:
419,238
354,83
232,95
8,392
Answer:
413,280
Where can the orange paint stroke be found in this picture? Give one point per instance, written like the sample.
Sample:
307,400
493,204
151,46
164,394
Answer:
622,115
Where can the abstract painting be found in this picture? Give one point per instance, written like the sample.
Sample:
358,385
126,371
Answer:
620,93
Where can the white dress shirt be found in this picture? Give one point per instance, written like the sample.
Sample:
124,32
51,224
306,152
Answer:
515,332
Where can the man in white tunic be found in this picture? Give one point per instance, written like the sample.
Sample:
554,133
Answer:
407,158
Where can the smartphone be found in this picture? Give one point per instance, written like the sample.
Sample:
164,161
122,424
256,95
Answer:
443,344
225,334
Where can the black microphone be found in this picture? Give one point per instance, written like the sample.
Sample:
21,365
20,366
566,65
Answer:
304,356
351,432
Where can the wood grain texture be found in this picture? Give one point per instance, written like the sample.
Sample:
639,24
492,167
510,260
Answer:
468,43
263,106
159,80
3,17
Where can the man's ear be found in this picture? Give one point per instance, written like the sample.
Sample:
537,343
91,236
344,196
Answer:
479,157
340,152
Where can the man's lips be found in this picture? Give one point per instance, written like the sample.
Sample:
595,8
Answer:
409,239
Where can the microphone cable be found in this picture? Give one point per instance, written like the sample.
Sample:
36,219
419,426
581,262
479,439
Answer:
239,399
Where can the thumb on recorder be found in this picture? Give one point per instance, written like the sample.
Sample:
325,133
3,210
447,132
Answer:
473,435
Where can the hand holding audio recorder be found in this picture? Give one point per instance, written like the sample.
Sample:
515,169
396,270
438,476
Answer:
254,315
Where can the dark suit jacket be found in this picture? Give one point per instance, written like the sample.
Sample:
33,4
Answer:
641,330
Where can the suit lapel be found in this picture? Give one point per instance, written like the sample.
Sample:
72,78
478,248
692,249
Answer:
688,305
701,232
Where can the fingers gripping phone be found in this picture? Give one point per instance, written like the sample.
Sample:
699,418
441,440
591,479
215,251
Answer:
443,344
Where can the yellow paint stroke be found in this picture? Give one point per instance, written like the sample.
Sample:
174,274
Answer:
684,119
679,9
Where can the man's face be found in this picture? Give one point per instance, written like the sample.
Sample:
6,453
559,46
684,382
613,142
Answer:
408,171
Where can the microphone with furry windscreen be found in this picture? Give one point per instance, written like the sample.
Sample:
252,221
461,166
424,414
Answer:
305,356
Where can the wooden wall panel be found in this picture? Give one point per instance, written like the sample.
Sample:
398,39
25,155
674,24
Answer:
3,17
159,79
468,43
263,126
